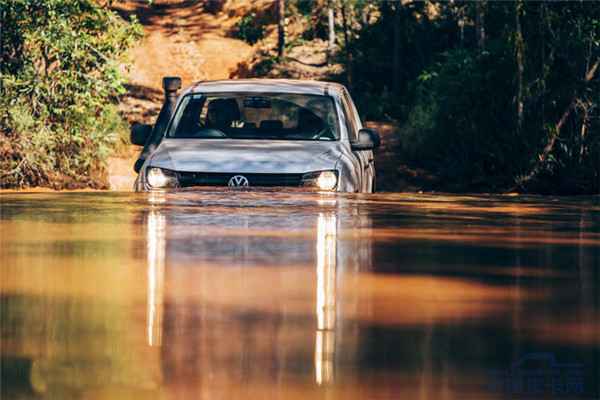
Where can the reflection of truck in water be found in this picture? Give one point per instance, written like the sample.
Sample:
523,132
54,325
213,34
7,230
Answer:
242,291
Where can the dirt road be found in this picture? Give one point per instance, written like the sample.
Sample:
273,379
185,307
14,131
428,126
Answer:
184,39
181,38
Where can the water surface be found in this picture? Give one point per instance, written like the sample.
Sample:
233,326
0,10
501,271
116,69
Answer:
225,295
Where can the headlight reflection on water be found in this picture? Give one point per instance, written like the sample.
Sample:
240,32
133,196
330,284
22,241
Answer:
326,298
156,198
156,276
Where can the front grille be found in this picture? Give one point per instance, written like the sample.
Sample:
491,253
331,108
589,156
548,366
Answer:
187,179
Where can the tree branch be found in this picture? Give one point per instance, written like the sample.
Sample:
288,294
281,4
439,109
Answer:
543,156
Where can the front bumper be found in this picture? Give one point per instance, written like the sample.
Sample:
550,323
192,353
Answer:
220,181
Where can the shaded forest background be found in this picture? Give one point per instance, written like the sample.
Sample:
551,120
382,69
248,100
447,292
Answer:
486,96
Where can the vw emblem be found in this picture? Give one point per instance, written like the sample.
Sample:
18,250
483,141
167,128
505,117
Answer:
238,181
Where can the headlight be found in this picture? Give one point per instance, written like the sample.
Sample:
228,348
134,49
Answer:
161,178
324,180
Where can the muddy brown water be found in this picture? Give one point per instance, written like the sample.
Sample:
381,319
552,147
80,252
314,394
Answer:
226,295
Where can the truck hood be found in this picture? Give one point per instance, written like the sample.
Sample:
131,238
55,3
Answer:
249,156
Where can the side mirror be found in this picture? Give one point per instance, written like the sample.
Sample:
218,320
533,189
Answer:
368,139
140,133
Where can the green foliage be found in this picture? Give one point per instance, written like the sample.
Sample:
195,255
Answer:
314,13
60,82
305,7
420,64
267,62
249,28
457,127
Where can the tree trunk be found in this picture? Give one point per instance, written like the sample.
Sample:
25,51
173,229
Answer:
397,47
542,26
345,24
331,25
365,15
280,27
480,23
519,50
460,15
583,133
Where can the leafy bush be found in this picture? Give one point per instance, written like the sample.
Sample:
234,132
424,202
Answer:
516,107
305,7
263,67
60,82
458,126
249,29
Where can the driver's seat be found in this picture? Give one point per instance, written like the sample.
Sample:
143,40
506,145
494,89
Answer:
221,113
308,121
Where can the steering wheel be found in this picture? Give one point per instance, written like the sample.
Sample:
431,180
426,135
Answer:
323,133
203,132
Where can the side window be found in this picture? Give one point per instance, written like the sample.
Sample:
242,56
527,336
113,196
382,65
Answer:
349,119
187,121
353,111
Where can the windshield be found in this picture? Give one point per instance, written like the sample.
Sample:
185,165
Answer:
275,116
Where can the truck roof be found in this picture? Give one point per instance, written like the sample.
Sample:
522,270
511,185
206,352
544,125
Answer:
296,86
